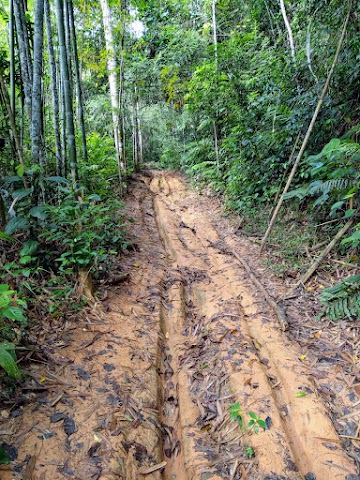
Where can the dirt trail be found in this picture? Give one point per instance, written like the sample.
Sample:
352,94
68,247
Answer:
183,339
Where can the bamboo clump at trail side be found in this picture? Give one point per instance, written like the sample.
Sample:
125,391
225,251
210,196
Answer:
309,131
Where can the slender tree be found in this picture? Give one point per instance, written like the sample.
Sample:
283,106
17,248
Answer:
113,83
24,54
66,92
54,89
79,93
36,110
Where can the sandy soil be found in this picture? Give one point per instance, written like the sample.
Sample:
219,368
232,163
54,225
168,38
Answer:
144,390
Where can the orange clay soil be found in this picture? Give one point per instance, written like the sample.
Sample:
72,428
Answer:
144,391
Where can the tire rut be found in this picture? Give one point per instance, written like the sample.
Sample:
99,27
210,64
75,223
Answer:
186,337
237,353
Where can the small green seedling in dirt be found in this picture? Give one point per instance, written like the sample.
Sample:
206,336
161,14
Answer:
256,422
237,414
249,451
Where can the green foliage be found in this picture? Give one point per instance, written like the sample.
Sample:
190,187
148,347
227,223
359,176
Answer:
256,422
84,228
12,320
8,360
342,300
237,414
335,173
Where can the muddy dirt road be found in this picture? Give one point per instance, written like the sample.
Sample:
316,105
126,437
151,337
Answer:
145,390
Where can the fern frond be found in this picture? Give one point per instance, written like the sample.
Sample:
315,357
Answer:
331,185
342,300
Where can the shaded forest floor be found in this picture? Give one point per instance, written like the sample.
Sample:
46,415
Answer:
156,381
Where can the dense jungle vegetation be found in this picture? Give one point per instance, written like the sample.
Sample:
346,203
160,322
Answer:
224,90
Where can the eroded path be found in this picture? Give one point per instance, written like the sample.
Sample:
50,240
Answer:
145,391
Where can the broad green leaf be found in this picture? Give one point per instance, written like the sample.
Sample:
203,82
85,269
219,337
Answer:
7,361
262,424
56,179
39,212
24,260
95,197
14,313
337,205
20,170
354,237
21,193
4,287
349,213
16,224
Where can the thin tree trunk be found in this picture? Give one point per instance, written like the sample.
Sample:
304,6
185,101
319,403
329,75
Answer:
67,39
139,133
24,54
12,57
289,30
216,145
135,143
309,131
214,27
67,92
62,112
215,125
122,102
54,88
12,120
78,81
112,66
37,149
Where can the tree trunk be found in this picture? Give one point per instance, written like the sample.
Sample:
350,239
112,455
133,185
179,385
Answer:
289,30
67,93
54,88
139,133
12,57
78,81
37,149
135,142
24,54
12,120
113,84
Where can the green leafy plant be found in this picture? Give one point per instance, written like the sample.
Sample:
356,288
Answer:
8,360
12,320
11,307
249,451
256,422
237,414
85,230
342,300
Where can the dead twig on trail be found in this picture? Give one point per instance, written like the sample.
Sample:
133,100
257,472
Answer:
279,311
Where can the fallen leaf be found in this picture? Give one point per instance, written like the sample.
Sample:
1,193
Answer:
154,468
